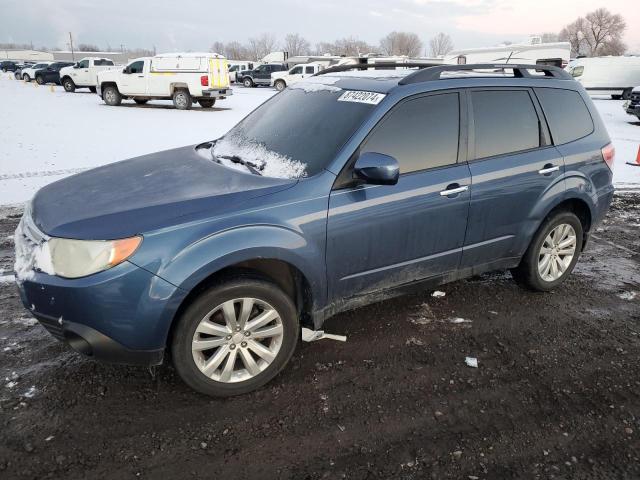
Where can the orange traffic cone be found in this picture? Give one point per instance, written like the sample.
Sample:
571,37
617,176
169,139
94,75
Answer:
637,164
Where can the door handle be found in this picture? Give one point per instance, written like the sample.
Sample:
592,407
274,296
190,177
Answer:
454,191
548,169
140,76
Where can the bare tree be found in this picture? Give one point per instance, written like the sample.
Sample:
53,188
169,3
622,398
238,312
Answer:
598,33
218,47
236,51
262,45
441,44
88,47
349,47
296,44
401,43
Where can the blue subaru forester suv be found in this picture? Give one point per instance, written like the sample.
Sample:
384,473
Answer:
340,191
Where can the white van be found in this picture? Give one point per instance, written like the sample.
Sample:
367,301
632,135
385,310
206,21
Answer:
615,76
185,78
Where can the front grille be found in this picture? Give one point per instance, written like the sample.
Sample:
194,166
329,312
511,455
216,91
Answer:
54,327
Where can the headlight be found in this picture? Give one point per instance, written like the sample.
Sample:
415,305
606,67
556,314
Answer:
78,258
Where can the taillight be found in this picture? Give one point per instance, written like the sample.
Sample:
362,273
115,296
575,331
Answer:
204,80
609,155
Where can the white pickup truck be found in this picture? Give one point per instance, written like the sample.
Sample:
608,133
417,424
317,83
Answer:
84,74
282,80
185,78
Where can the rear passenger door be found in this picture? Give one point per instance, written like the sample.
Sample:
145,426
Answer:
383,236
515,171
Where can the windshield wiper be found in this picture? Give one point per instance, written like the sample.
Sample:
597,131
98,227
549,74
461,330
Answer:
253,168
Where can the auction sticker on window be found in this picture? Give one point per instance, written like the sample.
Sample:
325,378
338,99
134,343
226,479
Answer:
358,96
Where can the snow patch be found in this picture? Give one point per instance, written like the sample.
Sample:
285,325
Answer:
270,164
627,295
6,279
471,362
310,87
31,392
438,294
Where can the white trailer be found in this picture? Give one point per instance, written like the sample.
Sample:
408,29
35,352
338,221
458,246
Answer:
615,76
185,78
533,52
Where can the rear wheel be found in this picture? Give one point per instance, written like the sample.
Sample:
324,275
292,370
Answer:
626,95
552,254
111,96
68,85
207,102
235,337
4,69
39,80
26,77
141,101
247,82
182,99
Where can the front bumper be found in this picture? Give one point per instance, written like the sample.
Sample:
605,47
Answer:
217,93
120,315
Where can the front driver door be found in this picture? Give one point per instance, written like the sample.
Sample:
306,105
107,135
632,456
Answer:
379,237
134,81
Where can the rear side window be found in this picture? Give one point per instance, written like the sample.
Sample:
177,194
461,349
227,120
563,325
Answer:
308,70
420,133
568,116
577,71
102,62
505,122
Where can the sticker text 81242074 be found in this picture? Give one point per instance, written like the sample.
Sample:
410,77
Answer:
359,96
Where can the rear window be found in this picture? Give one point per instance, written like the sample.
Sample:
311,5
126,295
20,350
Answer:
568,116
505,122
102,62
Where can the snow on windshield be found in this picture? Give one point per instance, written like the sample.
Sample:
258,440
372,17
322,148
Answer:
268,163
310,86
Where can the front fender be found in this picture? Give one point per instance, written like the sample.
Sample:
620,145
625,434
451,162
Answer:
226,248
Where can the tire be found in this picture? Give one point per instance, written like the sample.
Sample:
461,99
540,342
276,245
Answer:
182,99
207,102
26,77
248,82
208,307
68,85
111,96
528,273
280,85
4,69
39,80
17,76
626,95
141,101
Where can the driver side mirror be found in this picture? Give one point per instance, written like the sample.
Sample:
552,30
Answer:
76,66
376,169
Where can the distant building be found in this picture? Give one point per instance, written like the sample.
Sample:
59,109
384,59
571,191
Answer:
67,56
25,55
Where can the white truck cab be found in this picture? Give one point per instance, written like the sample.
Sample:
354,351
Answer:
238,66
282,80
185,78
84,74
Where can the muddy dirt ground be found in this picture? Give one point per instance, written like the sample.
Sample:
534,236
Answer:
556,393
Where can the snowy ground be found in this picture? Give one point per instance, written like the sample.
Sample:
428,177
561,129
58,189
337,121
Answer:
46,135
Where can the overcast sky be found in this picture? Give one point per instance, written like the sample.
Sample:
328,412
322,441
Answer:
196,24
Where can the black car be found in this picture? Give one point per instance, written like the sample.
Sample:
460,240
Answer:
51,74
261,75
8,66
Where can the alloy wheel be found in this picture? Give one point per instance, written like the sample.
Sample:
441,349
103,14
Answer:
237,340
557,252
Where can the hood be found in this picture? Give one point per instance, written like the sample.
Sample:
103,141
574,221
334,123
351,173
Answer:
108,73
144,194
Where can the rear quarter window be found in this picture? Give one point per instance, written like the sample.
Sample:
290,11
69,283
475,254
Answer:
567,115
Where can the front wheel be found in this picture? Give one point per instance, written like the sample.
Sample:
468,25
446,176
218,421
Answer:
111,96
39,80
626,95
182,99
280,85
235,337
68,85
247,82
207,102
552,254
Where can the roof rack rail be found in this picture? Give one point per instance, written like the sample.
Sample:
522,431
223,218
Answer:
519,71
379,65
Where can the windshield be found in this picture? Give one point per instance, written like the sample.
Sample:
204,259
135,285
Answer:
296,133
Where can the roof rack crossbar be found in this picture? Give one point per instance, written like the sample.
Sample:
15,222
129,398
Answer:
379,66
519,71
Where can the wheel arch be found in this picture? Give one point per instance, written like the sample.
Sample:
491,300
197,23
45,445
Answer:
178,85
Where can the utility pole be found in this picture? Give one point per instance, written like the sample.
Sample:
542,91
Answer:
73,57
